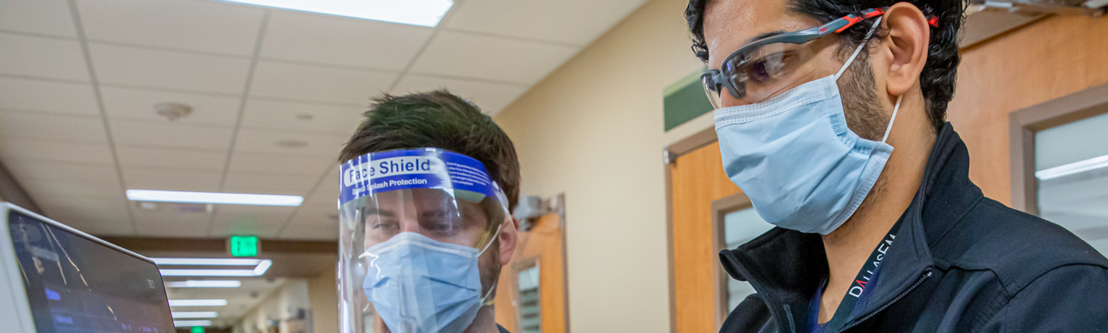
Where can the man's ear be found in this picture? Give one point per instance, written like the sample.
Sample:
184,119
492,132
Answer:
509,235
907,42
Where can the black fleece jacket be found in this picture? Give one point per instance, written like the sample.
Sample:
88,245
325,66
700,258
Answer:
961,263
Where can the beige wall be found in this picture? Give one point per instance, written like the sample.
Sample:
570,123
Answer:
593,130
281,304
324,299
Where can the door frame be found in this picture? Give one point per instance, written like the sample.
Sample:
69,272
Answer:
720,209
669,157
1022,125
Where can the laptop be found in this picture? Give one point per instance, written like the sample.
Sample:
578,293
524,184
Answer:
56,279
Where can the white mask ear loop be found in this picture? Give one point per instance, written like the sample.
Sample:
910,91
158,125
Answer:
491,239
893,119
858,50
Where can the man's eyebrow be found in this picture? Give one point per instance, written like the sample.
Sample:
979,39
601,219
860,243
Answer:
763,35
375,211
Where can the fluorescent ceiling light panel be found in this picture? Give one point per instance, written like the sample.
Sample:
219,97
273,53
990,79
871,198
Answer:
204,284
215,198
195,315
260,266
197,302
426,13
1073,168
187,323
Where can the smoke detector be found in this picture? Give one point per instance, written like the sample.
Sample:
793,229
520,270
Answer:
172,111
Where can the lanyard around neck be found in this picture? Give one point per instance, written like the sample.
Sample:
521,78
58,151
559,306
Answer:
866,276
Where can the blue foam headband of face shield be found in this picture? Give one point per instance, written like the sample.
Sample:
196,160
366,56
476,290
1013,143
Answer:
430,168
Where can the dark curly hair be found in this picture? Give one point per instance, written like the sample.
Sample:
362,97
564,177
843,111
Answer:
441,120
939,73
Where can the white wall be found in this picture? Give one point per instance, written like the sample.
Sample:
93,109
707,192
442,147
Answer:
594,130
281,304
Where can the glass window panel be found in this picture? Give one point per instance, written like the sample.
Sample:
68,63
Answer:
740,227
529,316
1073,189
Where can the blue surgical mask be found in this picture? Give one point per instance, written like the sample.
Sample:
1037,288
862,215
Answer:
796,159
418,284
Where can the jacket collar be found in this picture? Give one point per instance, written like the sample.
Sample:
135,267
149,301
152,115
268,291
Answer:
786,267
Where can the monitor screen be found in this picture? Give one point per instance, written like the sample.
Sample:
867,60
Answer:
75,284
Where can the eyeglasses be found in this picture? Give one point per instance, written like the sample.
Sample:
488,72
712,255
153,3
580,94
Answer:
765,67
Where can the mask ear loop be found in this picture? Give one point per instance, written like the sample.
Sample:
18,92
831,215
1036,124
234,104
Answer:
893,119
485,301
859,49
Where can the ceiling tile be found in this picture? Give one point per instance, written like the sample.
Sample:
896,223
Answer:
171,158
48,96
27,172
491,58
132,66
165,222
51,127
314,216
166,134
170,179
310,232
50,17
244,226
43,189
42,57
337,40
318,84
268,114
261,221
490,97
567,21
111,222
268,183
279,164
326,194
34,150
264,141
125,103
208,26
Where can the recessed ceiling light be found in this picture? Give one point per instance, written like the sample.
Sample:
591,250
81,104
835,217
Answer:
194,314
197,302
215,198
204,284
1073,168
426,13
259,269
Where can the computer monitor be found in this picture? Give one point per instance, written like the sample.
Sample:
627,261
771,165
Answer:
56,279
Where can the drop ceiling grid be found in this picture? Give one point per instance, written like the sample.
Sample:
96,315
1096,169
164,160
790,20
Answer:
87,106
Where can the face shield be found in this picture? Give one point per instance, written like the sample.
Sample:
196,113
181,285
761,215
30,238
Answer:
414,226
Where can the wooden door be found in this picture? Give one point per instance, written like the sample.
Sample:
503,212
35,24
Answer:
543,246
695,180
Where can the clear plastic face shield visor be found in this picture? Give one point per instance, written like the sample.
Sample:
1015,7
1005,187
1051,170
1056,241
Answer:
415,226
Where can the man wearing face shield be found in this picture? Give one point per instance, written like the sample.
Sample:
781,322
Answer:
830,118
426,184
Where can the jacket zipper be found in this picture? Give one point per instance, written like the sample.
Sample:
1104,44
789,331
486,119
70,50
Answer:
890,303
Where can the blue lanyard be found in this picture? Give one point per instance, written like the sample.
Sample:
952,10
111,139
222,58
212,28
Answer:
857,290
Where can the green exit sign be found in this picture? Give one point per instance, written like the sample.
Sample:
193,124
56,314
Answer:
244,246
197,329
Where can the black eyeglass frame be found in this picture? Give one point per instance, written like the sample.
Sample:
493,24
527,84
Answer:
713,79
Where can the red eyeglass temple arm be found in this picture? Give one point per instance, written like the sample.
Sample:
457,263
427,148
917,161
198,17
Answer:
874,12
